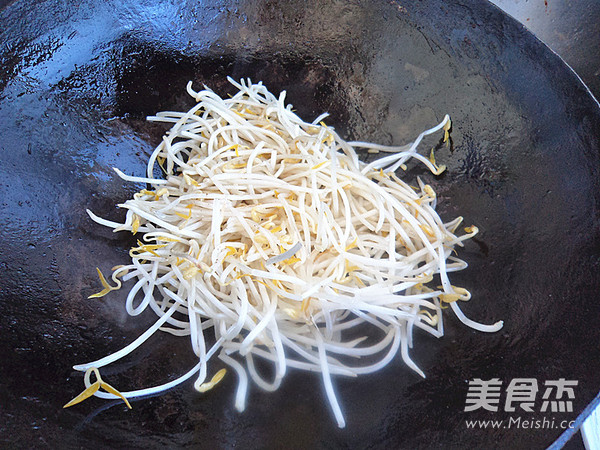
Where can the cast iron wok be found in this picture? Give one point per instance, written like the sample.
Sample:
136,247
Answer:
78,79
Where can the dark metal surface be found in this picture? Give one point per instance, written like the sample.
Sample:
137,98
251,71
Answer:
569,28
79,78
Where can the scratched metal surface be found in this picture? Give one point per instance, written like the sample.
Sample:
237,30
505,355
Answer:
78,80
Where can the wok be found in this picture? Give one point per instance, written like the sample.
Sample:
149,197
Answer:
78,80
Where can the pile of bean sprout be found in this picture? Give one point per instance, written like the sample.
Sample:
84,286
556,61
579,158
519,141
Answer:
268,238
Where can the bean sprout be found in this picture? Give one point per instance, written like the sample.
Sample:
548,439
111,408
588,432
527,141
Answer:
268,238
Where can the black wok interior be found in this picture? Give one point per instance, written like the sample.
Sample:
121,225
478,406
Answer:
78,80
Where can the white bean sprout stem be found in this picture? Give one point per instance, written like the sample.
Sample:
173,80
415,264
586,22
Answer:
268,238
